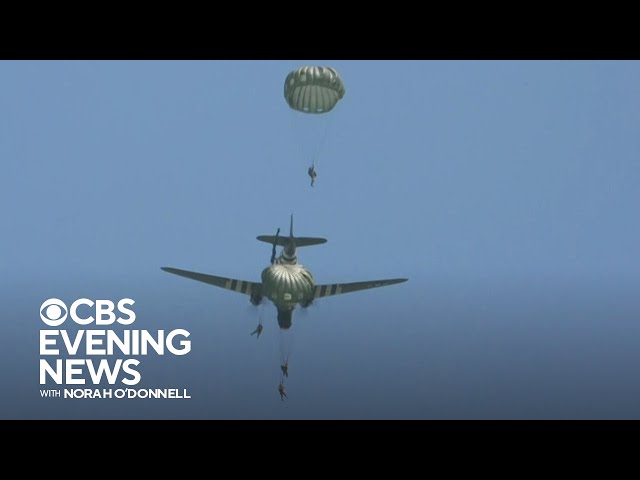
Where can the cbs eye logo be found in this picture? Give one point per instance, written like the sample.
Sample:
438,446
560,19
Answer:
53,312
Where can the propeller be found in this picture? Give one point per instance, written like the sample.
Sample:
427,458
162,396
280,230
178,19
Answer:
273,249
312,307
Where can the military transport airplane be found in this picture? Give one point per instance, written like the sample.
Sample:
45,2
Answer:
286,282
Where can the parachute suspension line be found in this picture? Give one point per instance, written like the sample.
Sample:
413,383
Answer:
320,144
286,346
313,91
260,313
284,353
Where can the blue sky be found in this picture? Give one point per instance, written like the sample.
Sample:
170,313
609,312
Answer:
505,187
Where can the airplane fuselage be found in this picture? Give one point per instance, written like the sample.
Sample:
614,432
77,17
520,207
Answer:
288,285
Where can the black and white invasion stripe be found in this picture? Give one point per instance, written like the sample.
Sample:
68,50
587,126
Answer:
239,286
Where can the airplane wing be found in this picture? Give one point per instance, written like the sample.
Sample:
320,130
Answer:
240,286
338,288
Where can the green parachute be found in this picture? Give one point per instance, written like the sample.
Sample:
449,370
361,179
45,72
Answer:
313,89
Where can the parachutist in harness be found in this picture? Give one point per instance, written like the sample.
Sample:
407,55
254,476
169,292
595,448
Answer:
282,392
258,330
285,369
273,250
312,173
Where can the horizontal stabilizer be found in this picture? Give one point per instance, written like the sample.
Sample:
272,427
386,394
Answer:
300,241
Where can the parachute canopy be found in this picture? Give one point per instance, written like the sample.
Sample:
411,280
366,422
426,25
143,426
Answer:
313,89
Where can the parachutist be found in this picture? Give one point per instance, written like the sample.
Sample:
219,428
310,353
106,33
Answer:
258,330
282,392
285,369
312,173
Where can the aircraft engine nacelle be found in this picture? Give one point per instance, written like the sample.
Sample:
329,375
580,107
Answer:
256,298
